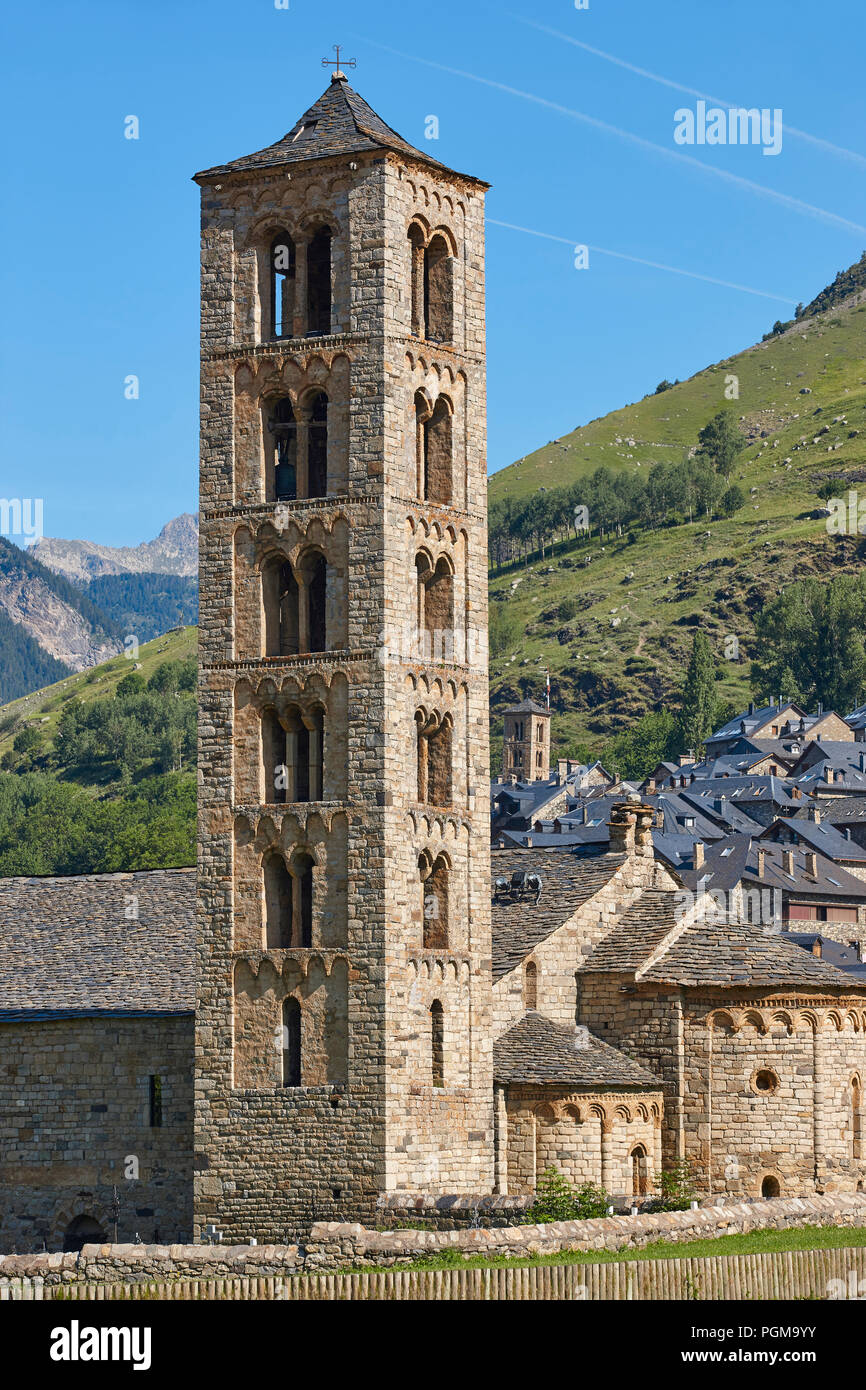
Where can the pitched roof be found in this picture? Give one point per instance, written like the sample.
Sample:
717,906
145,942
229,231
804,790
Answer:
527,707
725,955
736,955
537,1051
68,948
568,881
340,122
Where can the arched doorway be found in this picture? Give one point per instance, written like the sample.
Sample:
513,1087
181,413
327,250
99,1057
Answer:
84,1230
770,1186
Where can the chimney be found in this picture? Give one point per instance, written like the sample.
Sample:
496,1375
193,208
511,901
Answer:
863,762
630,827
788,861
820,709
699,854
583,813
811,863
529,842
829,774
751,707
651,783
817,949
760,863
815,814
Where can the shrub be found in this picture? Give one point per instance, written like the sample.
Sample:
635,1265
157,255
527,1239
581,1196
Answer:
567,610
676,1188
557,1200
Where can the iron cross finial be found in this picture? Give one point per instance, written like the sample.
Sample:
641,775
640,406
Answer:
329,62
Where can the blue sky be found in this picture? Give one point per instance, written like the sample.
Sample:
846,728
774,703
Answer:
100,266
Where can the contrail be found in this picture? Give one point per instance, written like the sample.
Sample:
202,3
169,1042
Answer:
688,91
638,260
796,204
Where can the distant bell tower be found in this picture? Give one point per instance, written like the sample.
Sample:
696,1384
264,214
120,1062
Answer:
526,746
343,1013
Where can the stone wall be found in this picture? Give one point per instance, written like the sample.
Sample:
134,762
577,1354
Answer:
75,1123
798,1125
333,1245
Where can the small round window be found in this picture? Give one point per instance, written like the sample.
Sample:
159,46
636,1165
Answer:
765,1081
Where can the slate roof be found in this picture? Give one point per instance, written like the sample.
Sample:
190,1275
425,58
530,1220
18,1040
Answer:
740,955
835,952
568,882
340,122
527,707
818,835
536,1052
637,933
725,955
67,950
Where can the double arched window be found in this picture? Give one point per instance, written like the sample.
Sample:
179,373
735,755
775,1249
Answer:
434,448
298,449
299,284
293,754
434,738
435,607
434,875
295,604
288,900
432,280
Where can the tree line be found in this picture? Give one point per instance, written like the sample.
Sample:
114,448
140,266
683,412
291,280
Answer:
608,501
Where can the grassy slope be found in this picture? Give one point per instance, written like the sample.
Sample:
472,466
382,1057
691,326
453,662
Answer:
753,1242
603,677
93,684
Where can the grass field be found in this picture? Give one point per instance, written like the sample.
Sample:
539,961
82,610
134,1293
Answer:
752,1243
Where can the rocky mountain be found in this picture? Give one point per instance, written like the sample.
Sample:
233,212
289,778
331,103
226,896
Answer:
174,551
46,609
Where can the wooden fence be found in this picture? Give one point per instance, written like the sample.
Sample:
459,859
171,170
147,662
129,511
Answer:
818,1274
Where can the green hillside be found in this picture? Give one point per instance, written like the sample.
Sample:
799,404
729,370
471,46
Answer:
97,772
613,617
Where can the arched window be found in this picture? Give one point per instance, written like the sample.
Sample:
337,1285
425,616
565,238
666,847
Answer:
439,291
770,1186
304,739
856,1118
274,769
317,446
432,286
278,893
435,608
302,900
284,432
282,609
417,271
434,742
434,890
530,986
317,590
319,282
282,286
438,453
439,764
291,1043
437,1043
639,1171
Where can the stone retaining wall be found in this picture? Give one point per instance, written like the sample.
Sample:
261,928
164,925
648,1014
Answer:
335,1245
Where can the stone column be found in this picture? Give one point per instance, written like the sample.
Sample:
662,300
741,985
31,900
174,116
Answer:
607,1174
300,315
500,1141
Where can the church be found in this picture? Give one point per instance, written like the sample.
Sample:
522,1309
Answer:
353,995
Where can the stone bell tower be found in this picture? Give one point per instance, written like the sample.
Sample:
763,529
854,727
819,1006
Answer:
343,1015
